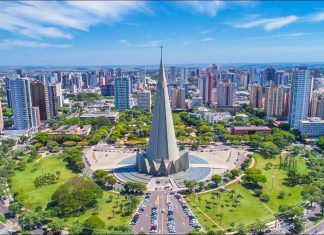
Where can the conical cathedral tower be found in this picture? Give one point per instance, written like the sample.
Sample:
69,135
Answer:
162,156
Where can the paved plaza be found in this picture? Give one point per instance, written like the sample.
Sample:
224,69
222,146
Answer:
219,159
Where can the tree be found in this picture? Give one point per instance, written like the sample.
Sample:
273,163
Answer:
93,223
235,173
14,208
190,184
74,158
76,229
281,195
299,227
241,229
269,149
103,178
29,220
254,177
290,212
264,197
133,187
320,143
42,137
57,225
216,179
76,195
259,227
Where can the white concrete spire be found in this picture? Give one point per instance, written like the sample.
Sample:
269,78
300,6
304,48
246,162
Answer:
162,143
162,156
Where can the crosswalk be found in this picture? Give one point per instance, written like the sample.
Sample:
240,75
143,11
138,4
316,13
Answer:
5,231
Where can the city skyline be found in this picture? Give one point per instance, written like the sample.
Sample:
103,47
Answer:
111,33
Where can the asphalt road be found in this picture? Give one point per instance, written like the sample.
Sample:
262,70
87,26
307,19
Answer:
317,229
159,198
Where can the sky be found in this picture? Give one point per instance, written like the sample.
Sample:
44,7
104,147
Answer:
130,33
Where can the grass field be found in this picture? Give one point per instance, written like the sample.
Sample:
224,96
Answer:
248,210
250,207
274,185
31,197
105,210
23,181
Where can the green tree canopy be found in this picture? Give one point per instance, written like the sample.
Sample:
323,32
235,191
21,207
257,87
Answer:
76,195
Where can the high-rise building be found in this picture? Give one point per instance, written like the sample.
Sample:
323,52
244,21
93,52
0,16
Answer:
300,96
141,79
276,102
317,104
178,98
203,84
39,95
144,100
225,94
53,100
184,76
269,74
59,93
119,72
108,90
1,118
173,74
21,103
122,93
256,96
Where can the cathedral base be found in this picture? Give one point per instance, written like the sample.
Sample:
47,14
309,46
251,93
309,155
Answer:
163,168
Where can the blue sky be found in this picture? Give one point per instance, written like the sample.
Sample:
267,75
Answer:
129,33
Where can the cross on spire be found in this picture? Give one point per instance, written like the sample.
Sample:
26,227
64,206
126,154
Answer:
161,47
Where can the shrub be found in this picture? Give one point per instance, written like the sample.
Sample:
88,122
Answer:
45,179
264,197
281,195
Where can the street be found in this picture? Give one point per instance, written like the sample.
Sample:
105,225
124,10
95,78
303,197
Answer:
160,198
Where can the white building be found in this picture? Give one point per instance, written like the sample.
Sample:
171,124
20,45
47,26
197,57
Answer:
144,100
300,96
214,117
312,127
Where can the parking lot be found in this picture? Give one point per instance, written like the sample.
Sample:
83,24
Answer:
163,212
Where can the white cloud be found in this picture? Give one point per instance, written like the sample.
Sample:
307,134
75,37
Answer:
207,39
55,19
210,8
8,44
125,42
268,24
317,17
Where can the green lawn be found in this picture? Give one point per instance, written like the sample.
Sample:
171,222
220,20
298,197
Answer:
31,197
247,212
23,181
250,207
274,186
106,208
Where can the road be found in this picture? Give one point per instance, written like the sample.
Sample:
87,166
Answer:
159,198
309,215
317,229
